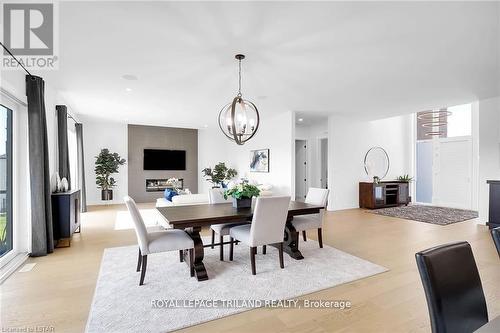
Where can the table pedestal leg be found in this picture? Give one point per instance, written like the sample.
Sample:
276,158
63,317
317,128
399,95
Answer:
291,241
199,268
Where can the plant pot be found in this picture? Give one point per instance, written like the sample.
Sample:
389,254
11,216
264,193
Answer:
242,203
107,195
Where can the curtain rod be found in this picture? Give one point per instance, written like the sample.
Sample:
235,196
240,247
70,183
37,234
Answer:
71,117
20,64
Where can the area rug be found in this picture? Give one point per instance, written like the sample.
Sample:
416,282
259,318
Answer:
121,305
428,214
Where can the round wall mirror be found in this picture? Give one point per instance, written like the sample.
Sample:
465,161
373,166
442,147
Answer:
377,162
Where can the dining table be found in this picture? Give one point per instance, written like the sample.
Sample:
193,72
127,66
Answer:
192,218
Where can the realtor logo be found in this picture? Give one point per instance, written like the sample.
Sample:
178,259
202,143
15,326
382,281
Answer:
29,32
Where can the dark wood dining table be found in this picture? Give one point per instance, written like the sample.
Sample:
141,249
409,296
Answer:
192,218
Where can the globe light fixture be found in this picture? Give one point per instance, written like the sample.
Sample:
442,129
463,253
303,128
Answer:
239,120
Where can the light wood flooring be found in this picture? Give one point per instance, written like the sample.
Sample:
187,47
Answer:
59,290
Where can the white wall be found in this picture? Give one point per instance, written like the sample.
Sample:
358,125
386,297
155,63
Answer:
99,134
350,139
489,150
275,133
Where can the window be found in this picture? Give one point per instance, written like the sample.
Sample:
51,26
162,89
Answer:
6,225
455,121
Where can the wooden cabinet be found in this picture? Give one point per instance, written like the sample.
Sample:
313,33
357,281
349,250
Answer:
65,213
383,194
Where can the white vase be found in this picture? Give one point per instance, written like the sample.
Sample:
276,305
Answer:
58,183
64,185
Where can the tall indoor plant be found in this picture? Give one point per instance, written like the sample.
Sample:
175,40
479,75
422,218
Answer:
219,174
107,164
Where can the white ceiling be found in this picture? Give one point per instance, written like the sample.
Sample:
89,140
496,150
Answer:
370,58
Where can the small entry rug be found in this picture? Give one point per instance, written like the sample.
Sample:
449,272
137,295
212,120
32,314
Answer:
428,214
121,305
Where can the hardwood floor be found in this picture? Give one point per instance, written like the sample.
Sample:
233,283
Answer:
59,290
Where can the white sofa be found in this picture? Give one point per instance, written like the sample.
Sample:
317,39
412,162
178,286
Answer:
183,200
202,198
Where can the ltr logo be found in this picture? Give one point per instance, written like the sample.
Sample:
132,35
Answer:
29,28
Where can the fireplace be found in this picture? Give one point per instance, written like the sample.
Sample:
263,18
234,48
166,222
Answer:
160,185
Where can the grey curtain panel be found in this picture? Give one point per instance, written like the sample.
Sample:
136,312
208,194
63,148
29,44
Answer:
42,239
62,142
81,166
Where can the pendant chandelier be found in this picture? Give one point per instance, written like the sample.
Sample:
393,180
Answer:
434,121
239,120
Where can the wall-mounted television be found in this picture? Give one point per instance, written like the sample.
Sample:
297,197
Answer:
161,159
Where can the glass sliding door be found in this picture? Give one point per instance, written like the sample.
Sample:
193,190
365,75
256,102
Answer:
6,223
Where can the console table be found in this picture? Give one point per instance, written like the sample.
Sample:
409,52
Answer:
494,204
65,215
383,194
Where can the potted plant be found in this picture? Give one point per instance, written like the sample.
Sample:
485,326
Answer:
107,164
219,174
405,178
242,194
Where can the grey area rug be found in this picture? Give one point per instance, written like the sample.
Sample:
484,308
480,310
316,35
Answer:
428,214
121,305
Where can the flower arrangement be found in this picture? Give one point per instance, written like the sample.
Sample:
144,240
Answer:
242,194
175,183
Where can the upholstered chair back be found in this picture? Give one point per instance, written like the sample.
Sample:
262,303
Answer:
453,288
216,196
317,196
139,226
269,218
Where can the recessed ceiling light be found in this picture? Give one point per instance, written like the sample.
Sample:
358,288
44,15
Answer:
128,89
129,77
205,125
300,119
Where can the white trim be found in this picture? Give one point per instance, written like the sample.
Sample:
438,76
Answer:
7,94
12,266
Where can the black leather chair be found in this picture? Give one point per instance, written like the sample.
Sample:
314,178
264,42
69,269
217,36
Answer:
496,238
453,288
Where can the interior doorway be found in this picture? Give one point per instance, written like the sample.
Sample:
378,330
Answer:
323,163
311,153
301,184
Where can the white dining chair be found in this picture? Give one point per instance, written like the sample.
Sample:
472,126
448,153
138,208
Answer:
157,242
216,196
267,227
315,196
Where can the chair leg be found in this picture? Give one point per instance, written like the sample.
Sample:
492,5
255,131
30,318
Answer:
281,255
139,261
304,236
320,238
253,251
143,270
221,255
231,246
213,238
191,262
181,255
263,249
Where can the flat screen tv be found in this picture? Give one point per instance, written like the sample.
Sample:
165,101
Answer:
160,159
